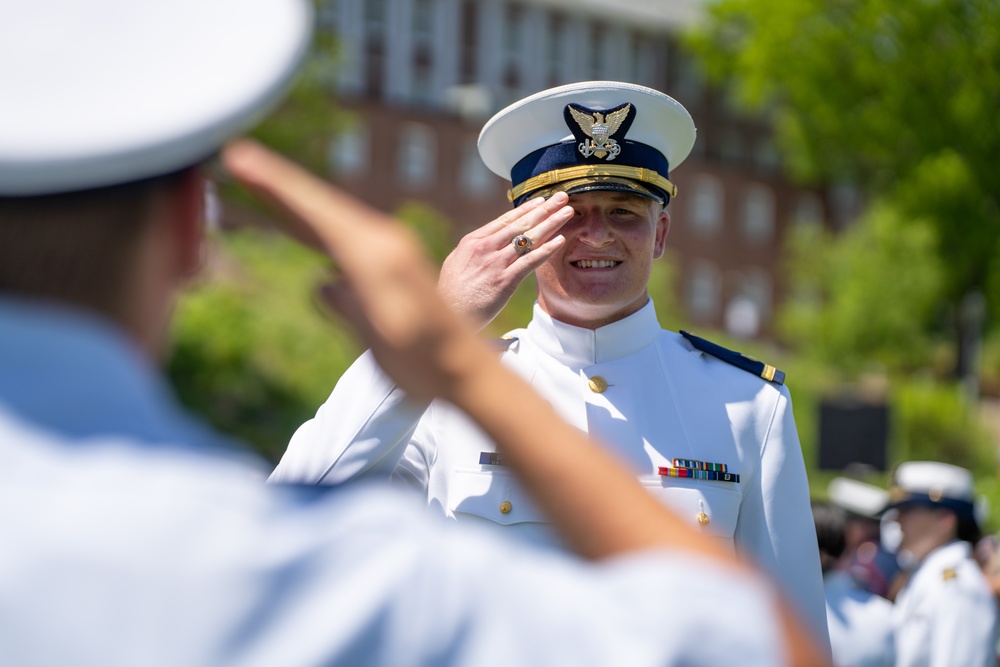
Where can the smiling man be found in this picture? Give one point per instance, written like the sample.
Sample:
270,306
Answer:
706,430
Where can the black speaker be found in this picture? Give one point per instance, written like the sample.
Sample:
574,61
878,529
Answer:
852,432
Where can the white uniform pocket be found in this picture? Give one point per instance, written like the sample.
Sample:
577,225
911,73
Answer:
490,494
709,506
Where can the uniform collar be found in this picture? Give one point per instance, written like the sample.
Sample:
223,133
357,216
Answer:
948,555
576,346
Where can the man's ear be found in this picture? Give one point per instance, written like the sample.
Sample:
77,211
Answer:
662,227
187,213
949,523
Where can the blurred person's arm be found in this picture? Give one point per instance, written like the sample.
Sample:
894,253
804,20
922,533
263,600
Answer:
389,295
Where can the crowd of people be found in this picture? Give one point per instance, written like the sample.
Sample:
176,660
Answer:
592,490
909,578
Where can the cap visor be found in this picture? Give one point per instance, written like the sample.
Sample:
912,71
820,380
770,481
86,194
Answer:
599,183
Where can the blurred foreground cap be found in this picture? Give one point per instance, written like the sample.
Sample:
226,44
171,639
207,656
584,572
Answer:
857,497
103,92
593,135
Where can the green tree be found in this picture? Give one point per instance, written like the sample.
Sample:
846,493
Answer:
868,299
253,352
900,98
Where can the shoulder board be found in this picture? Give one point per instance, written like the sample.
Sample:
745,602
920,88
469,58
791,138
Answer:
502,344
758,368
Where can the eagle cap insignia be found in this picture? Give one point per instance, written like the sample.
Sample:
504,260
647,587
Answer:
595,129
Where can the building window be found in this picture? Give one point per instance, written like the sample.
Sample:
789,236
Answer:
513,30
348,151
757,287
742,318
706,205
758,214
703,290
808,210
423,22
767,157
689,83
375,17
422,86
644,62
477,180
750,306
731,148
417,155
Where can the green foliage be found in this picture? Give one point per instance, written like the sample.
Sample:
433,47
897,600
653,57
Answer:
868,298
863,87
942,191
900,98
252,352
517,312
935,422
663,291
431,227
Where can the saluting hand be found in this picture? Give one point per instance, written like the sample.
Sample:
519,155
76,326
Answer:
481,274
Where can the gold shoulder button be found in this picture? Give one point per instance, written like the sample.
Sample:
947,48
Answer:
597,384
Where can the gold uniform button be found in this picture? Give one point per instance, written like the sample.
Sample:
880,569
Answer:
703,518
505,507
597,384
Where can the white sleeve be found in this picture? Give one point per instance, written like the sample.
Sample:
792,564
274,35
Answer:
775,527
360,431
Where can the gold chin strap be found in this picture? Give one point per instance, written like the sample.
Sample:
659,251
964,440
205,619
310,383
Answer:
584,171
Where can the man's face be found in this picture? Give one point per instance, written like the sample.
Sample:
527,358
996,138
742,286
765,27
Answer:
924,529
600,275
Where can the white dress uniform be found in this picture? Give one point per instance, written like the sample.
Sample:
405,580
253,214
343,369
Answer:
647,393
133,536
946,614
860,623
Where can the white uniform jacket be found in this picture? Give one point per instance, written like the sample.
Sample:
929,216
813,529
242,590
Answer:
946,615
663,400
134,536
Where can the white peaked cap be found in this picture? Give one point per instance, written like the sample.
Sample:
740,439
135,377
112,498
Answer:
938,484
535,133
934,479
100,92
857,497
